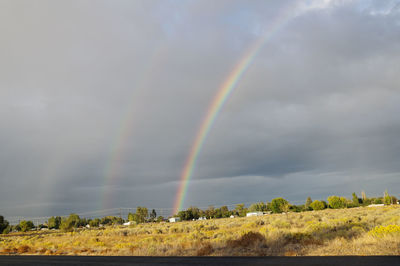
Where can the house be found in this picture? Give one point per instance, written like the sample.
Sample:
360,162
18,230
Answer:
202,218
128,223
174,219
376,205
250,214
231,216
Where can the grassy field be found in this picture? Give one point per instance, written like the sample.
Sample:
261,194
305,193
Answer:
357,231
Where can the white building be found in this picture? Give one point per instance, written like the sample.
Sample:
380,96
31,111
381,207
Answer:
376,205
128,223
249,214
202,218
174,219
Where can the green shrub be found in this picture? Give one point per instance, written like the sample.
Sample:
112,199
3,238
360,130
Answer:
317,205
336,202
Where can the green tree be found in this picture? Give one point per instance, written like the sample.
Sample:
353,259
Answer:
258,207
54,222
308,203
355,200
73,221
363,196
4,224
394,200
336,202
95,222
317,205
378,201
110,220
225,212
241,210
153,215
387,200
210,212
26,225
140,216
279,205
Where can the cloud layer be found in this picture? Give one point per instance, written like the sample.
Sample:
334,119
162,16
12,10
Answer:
100,102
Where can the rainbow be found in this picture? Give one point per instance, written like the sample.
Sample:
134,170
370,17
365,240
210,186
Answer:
222,95
127,123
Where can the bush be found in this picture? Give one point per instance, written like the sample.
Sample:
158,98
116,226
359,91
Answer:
317,205
381,231
336,202
73,221
54,222
26,225
3,224
279,205
95,222
247,240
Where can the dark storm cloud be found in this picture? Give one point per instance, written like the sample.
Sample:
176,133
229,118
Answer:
106,97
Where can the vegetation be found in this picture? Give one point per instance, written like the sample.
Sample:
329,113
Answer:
4,225
279,205
358,231
317,205
315,228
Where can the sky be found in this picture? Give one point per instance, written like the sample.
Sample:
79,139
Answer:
101,101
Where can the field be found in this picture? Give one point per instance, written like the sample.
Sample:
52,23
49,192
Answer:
357,231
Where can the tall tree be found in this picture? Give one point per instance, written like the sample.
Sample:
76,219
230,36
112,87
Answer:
279,205
241,210
363,196
3,224
308,203
355,200
153,215
386,198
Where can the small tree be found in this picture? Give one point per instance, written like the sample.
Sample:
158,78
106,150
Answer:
54,222
336,202
73,221
3,224
307,206
387,200
363,196
26,225
95,222
240,210
258,207
317,205
355,200
153,215
279,205
394,200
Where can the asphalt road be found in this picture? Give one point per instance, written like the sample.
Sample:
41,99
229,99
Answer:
298,261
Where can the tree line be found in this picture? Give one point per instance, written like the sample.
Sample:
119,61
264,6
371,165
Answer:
142,215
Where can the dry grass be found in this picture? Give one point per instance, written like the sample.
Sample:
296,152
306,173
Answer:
358,231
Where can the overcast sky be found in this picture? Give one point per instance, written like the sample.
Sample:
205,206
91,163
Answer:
100,102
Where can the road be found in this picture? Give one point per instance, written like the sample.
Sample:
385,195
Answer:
298,261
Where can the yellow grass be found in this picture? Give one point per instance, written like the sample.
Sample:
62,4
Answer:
358,231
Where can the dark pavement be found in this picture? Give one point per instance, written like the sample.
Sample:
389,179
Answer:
298,261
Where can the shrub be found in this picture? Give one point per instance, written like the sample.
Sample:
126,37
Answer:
3,224
205,250
317,205
26,225
279,205
380,231
246,240
336,202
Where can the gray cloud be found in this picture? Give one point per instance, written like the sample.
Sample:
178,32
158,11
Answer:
100,102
